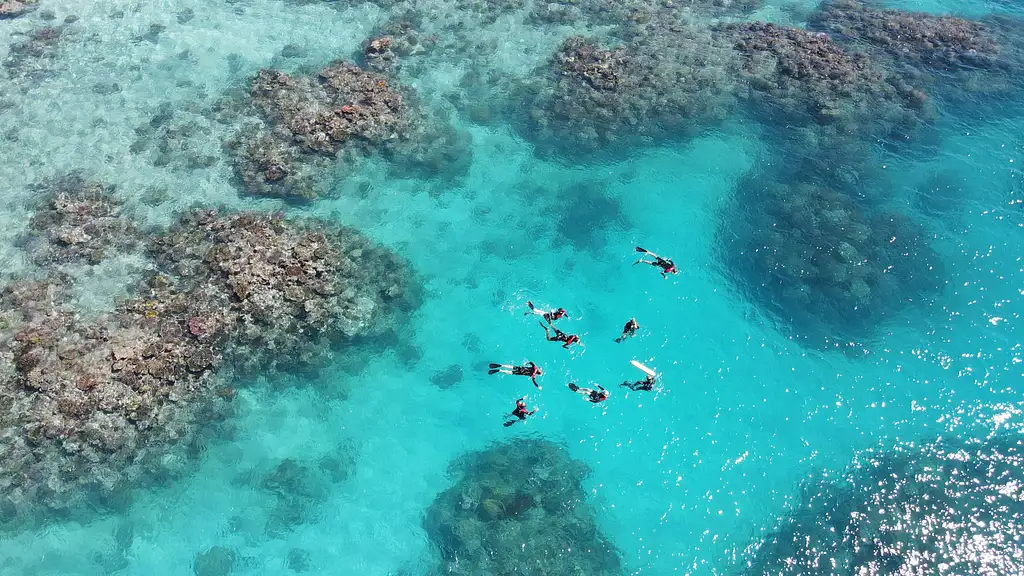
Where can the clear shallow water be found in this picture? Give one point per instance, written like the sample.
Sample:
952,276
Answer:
682,479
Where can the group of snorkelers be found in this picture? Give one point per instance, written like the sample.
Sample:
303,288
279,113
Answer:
553,334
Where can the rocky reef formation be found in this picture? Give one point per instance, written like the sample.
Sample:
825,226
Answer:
827,265
798,77
635,14
90,405
179,137
216,561
293,286
595,100
941,42
971,65
78,222
15,8
298,488
33,58
337,116
519,506
944,507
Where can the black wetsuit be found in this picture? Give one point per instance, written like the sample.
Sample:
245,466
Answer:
520,412
645,384
530,370
567,339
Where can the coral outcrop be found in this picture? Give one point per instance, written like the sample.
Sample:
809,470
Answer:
15,8
941,42
832,268
78,221
299,488
591,99
519,506
798,77
337,116
33,58
92,404
943,507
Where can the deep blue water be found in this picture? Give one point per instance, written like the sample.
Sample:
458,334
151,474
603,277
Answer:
685,479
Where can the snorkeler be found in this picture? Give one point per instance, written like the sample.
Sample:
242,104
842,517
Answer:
549,315
529,369
629,330
520,413
595,396
559,336
645,384
666,265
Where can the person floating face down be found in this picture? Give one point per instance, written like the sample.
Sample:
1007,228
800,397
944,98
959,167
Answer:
645,384
559,336
549,315
629,330
666,265
520,413
529,369
595,396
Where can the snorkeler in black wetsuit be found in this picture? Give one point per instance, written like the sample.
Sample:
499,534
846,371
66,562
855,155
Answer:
595,396
549,315
529,369
645,384
520,413
629,330
666,265
559,336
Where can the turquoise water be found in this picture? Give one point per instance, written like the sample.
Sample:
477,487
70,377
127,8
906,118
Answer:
682,479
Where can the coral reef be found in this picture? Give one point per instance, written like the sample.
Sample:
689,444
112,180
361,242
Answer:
15,8
217,561
831,268
300,487
33,58
587,215
519,506
292,286
942,42
92,404
798,77
174,137
591,100
78,221
337,116
631,15
447,377
943,507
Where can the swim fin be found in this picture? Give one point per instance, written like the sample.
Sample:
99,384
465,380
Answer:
639,249
573,387
509,423
493,371
493,365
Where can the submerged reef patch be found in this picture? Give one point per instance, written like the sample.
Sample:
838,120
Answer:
940,42
798,77
78,222
519,506
589,99
298,488
827,265
33,58
337,116
971,65
15,8
92,405
944,507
